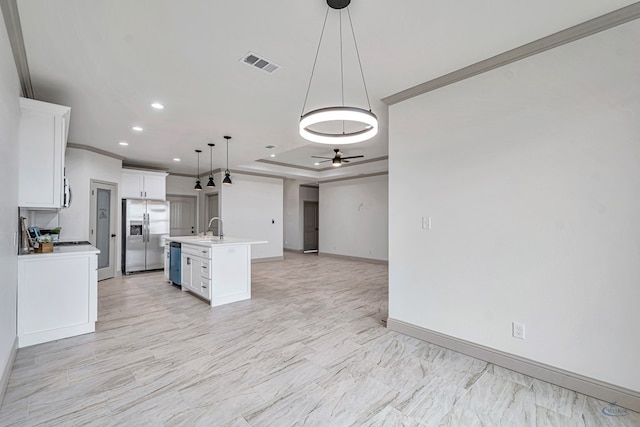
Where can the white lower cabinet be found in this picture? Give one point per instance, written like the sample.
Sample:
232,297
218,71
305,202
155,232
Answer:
219,273
196,270
57,296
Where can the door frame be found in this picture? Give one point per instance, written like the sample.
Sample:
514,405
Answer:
110,271
305,203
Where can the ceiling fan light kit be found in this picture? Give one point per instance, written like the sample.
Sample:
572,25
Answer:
337,160
366,119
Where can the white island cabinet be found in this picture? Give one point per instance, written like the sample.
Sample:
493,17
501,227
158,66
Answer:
216,270
57,294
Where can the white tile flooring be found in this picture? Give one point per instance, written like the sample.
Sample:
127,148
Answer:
310,348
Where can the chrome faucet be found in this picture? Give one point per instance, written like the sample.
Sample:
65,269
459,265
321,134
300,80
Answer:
220,235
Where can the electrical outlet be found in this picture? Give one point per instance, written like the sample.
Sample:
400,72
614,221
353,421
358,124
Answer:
518,330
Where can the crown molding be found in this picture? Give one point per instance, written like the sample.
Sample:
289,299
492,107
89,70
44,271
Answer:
347,178
577,32
94,150
16,40
309,168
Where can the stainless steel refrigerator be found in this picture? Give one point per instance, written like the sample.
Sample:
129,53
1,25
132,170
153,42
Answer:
145,225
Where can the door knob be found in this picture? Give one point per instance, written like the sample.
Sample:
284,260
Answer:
113,235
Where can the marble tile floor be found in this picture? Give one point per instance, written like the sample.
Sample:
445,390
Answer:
310,348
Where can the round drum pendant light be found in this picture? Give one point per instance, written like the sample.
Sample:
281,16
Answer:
366,120
347,114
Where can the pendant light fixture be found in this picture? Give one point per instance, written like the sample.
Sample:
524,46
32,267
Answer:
198,187
367,122
211,184
227,174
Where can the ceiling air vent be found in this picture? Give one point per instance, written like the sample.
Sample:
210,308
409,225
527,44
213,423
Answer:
256,61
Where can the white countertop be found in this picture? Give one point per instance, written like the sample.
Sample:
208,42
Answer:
213,241
64,250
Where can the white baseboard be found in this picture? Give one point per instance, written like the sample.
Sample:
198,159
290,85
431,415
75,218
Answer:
6,372
268,259
623,397
355,258
299,251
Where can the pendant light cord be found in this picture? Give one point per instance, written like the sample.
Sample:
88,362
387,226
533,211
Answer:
364,83
314,62
227,155
341,62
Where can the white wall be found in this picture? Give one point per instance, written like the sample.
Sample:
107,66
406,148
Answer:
81,167
294,197
178,185
202,199
292,214
249,206
530,174
354,217
9,120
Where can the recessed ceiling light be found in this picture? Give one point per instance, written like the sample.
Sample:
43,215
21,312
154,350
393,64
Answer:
123,143
176,159
137,128
317,164
272,155
157,106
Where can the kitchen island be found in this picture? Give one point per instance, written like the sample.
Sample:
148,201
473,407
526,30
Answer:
57,294
218,270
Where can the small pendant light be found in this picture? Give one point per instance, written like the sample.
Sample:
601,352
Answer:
211,184
227,173
198,187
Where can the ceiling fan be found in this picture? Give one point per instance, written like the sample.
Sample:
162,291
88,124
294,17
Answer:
338,159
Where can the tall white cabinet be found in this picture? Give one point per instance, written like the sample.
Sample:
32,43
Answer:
43,140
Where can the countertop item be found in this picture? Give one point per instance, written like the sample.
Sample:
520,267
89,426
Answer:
212,241
64,250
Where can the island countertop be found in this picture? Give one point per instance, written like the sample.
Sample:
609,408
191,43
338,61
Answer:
212,241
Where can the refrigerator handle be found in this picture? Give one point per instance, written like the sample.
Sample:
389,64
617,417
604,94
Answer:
145,228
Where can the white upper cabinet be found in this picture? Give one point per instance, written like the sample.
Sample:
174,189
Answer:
144,185
42,142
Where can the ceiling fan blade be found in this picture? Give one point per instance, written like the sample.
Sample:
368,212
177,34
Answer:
325,161
344,161
352,157
318,157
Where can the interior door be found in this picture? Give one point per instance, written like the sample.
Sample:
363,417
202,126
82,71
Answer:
183,215
310,232
102,226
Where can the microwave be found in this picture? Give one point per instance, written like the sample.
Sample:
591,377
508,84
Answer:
66,194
